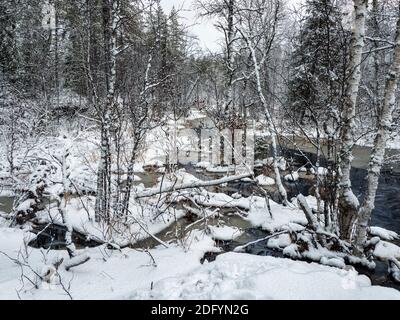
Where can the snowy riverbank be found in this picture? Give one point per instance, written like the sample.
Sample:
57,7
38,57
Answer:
175,273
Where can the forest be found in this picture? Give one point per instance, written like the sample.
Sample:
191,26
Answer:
138,162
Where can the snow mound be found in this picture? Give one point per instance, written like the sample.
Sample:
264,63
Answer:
225,233
202,164
386,250
244,276
282,217
264,180
383,233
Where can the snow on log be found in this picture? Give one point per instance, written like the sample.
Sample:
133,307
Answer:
196,184
301,200
76,261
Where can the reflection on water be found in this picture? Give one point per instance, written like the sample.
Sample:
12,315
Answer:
6,204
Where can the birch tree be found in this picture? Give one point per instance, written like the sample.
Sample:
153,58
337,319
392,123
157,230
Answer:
103,198
380,142
226,112
259,23
348,202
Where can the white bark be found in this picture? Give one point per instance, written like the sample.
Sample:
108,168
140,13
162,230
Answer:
382,135
312,221
102,206
348,208
270,124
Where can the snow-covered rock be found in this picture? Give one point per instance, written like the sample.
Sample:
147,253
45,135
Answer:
383,233
225,233
293,176
264,180
385,250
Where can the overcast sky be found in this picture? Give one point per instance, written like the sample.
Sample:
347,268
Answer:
203,29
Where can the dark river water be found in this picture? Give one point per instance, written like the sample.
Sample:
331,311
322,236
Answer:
386,213
387,203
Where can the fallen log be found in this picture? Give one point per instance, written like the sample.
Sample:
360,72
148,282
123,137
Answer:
76,261
313,223
197,184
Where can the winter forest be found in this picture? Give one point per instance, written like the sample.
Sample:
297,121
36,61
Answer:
199,149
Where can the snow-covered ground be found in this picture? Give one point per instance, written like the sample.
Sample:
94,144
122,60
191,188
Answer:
174,273
172,270
244,276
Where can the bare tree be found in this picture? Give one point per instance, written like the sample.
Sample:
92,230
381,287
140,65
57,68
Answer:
348,203
258,27
380,143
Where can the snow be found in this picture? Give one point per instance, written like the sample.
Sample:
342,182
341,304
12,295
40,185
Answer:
291,177
202,164
321,171
220,169
385,250
213,199
264,180
279,242
282,217
25,205
225,233
154,163
109,274
142,221
176,178
244,276
138,168
195,114
176,271
135,177
367,140
383,233
280,160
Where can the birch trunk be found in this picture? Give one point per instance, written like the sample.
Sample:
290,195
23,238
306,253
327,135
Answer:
270,125
348,203
102,206
62,203
378,152
230,68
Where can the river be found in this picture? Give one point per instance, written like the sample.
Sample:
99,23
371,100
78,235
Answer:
386,213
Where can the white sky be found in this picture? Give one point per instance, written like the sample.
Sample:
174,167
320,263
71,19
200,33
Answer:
203,29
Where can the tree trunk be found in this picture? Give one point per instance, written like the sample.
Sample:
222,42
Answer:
378,152
102,206
348,203
270,125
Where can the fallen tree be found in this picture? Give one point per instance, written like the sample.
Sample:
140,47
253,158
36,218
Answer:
189,185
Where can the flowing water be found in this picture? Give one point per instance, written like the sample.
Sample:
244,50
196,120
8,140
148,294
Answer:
386,213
